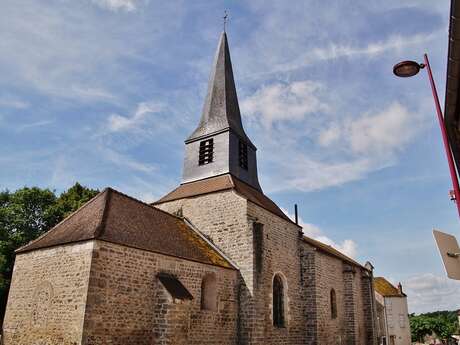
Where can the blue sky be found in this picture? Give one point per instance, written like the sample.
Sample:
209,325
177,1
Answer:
105,91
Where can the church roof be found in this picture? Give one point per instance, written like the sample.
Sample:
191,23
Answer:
221,183
117,218
386,289
221,110
331,251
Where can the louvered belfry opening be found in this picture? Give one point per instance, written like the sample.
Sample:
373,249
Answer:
243,155
206,152
278,302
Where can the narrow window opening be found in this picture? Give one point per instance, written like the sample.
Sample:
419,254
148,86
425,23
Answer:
243,155
333,304
209,293
206,153
278,302
258,242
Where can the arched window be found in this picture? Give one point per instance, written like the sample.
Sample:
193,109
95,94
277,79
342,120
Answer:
333,304
278,301
209,292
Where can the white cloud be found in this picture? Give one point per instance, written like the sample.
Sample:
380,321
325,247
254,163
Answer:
46,49
284,102
386,131
428,292
115,5
325,148
334,51
125,161
382,133
117,123
347,247
13,102
329,135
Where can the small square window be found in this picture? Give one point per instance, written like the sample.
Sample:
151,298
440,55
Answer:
243,155
206,154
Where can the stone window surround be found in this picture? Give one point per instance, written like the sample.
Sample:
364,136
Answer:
285,300
209,292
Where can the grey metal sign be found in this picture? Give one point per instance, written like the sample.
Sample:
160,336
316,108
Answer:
450,253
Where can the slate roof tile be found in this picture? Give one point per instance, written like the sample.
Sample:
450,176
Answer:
117,218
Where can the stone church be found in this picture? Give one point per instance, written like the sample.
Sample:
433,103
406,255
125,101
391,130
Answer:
215,261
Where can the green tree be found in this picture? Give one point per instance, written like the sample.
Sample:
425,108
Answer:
441,323
26,214
74,198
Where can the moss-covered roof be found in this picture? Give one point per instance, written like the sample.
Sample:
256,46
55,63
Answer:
117,218
386,289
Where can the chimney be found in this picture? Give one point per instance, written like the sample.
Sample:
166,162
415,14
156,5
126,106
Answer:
400,288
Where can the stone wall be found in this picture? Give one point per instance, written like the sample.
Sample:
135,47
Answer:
261,244
47,299
128,305
329,275
222,217
355,321
280,256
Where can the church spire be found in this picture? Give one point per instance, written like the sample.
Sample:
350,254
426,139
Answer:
221,110
219,144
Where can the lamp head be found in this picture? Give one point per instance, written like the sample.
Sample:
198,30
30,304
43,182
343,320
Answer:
407,69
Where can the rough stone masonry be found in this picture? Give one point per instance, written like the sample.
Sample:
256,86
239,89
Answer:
215,261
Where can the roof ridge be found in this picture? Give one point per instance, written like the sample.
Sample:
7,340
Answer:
66,219
100,229
144,203
308,238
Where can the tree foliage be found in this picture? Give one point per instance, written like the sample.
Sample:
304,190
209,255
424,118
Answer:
443,324
26,214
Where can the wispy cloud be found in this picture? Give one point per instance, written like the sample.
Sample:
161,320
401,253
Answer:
125,161
284,102
115,5
333,51
325,148
380,133
117,123
13,102
34,125
347,247
428,292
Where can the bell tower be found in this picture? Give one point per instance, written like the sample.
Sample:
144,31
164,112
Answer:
219,145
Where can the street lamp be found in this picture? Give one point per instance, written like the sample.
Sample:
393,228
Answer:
406,69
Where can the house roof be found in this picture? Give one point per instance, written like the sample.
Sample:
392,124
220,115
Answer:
117,218
331,251
386,289
221,183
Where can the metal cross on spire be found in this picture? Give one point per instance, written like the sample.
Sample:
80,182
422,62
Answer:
225,17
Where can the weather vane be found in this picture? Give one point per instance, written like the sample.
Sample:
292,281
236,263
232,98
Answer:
225,19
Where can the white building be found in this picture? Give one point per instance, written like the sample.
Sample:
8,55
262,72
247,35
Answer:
393,315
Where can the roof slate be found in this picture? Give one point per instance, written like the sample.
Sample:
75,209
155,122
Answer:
385,288
221,110
221,183
117,218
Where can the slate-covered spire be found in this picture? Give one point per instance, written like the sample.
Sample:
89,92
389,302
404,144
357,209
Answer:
221,110
219,145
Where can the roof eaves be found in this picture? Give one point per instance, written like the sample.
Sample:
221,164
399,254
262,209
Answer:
211,244
332,251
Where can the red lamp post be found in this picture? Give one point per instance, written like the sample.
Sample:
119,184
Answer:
410,68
